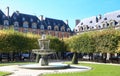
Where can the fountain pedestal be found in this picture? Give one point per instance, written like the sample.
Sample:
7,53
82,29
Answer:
43,61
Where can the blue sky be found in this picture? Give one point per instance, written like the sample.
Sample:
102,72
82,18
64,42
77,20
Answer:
62,9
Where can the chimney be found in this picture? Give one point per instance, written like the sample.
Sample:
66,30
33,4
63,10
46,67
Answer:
67,22
77,21
41,17
7,11
17,12
99,16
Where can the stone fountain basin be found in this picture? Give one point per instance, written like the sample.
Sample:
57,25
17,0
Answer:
50,66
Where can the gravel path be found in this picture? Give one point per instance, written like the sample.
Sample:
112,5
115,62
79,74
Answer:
17,71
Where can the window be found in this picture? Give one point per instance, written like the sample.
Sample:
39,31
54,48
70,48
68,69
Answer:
34,31
87,27
3,16
68,29
34,25
38,21
54,23
48,23
14,17
16,28
90,21
99,26
49,27
25,30
25,24
6,22
16,24
112,23
62,28
56,34
42,27
31,20
49,33
118,16
62,34
103,25
23,19
105,18
56,28
81,23
81,28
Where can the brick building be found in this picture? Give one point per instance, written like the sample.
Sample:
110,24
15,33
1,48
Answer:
31,23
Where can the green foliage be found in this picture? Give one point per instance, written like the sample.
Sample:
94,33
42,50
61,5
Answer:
56,44
16,41
97,41
107,41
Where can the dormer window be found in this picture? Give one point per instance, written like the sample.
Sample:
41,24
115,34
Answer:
6,22
118,16
90,21
49,27
23,19
31,20
81,23
16,24
14,17
25,24
99,26
56,28
42,27
104,25
112,23
38,21
81,28
34,25
105,18
68,29
3,16
48,22
62,28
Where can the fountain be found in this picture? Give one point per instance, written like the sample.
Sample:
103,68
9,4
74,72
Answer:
44,51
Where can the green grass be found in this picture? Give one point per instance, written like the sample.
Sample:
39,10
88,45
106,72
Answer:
97,70
4,73
15,63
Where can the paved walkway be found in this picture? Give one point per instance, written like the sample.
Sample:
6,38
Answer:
30,72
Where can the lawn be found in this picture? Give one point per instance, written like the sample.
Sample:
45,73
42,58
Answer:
15,63
4,73
97,70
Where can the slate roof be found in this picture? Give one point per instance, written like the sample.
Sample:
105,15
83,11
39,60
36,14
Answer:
2,16
115,15
46,22
19,17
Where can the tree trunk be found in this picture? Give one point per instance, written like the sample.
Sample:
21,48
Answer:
104,57
75,58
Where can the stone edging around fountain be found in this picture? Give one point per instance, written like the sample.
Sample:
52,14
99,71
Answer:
51,66
55,66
